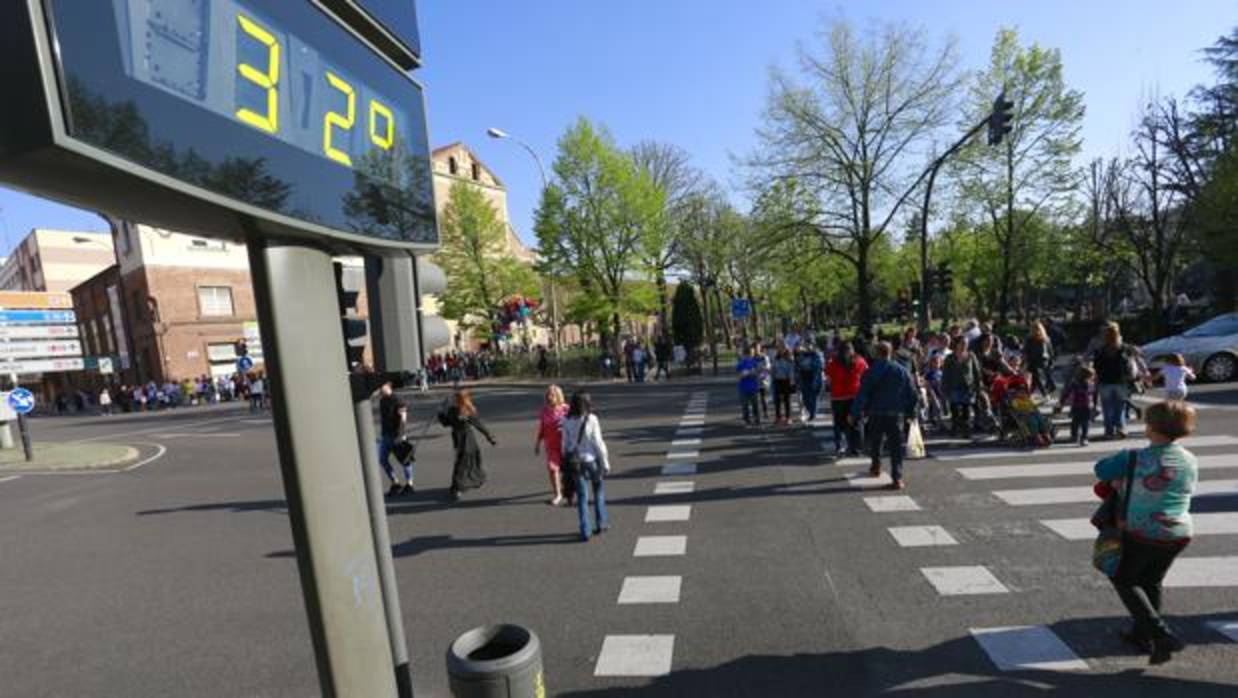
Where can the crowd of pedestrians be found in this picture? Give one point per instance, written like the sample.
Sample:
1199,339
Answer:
152,396
966,382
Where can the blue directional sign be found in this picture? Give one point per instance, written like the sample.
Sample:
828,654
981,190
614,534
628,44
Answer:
38,317
740,308
243,364
21,400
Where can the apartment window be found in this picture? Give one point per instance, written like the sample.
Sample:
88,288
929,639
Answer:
452,166
215,301
476,172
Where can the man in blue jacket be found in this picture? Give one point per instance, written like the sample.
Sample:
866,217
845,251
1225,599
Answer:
887,398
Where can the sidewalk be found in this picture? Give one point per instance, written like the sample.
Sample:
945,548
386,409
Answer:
68,456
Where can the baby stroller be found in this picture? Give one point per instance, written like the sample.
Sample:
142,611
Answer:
1022,423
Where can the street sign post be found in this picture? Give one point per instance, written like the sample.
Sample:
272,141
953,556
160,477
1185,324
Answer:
741,308
21,401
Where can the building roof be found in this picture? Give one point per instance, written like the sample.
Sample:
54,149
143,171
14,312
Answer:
442,153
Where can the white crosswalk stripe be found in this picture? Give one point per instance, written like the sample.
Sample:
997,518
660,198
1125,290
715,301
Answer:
635,655
1205,524
921,536
1084,467
966,580
1063,449
1083,494
1027,648
1203,572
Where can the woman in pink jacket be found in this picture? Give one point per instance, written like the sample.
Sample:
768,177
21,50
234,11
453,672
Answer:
552,414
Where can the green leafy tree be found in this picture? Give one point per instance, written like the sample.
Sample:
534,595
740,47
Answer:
592,220
1030,173
480,273
851,134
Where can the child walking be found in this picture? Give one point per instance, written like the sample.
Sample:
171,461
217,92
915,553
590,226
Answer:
1175,373
1080,394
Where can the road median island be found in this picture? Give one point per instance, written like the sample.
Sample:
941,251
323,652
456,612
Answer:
67,456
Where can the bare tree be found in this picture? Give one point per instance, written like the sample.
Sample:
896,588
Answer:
669,168
849,132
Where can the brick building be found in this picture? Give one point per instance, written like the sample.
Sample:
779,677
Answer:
55,260
183,302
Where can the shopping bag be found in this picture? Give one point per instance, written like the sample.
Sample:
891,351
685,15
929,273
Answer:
915,441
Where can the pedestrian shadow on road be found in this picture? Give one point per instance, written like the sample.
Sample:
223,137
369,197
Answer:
956,668
274,506
427,544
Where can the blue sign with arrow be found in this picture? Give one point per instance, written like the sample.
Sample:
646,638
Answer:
38,317
21,400
243,364
740,308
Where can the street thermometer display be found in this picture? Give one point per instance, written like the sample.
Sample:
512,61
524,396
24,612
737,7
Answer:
274,106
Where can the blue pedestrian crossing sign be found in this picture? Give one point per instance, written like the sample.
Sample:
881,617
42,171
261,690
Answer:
243,364
21,400
740,308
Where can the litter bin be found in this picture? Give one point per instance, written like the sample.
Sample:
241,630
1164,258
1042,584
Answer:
496,661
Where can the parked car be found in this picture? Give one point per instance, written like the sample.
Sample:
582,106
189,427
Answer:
1211,349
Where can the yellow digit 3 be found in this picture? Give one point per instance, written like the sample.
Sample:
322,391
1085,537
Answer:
334,119
267,80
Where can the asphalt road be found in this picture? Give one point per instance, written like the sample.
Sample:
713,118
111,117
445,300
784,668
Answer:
791,578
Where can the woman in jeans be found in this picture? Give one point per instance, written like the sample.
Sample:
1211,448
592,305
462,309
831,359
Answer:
582,436
1158,523
1114,372
845,370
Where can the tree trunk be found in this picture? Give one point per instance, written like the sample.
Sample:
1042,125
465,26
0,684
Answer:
664,303
863,290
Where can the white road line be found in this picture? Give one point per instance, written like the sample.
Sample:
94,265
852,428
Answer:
921,536
864,480
692,423
635,655
149,430
1203,572
195,434
663,589
1223,523
1079,494
686,442
1082,467
1027,648
683,454
10,478
668,512
660,546
674,487
1228,628
853,461
963,581
1065,449
679,469
883,505
160,450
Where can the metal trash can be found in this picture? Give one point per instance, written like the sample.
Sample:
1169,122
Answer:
496,661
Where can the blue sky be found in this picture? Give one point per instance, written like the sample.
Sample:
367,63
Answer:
694,72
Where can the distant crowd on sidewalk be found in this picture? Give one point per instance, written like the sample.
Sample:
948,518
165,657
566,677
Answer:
253,387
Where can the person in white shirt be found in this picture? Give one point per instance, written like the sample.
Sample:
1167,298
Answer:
585,450
1175,373
105,401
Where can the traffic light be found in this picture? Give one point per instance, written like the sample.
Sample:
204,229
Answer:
945,279
403,326
1000,119
349,280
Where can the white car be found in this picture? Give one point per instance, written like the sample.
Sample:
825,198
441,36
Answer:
1210,349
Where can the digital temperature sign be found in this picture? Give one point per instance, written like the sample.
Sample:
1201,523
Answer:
277,106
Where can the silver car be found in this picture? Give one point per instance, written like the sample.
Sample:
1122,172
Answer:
1210,349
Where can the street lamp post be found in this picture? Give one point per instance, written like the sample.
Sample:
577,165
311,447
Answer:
500,134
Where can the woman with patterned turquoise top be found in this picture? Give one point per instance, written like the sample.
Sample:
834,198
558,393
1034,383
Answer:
1158,521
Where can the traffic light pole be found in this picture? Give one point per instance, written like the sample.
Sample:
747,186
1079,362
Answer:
323,481
925,304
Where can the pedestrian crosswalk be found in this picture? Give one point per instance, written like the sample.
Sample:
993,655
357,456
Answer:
1044,496
653,655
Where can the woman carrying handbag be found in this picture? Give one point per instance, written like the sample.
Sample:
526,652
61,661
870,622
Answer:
1145,522
585,455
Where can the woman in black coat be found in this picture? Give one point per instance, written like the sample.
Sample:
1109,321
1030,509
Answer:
461,418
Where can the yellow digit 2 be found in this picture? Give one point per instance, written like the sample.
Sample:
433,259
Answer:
382,140
267,80
344,121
